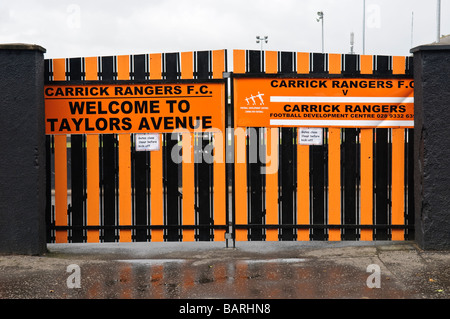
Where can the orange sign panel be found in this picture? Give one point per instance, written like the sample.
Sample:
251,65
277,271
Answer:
324,102
134,108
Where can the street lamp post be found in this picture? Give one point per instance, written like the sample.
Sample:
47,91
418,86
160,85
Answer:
320,14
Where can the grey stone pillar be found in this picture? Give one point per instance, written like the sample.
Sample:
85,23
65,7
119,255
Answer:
22,150
432,144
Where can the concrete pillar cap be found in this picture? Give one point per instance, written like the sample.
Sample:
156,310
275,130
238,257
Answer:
22,46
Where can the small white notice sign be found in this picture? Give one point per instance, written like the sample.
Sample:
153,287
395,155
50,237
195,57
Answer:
147,141
310,136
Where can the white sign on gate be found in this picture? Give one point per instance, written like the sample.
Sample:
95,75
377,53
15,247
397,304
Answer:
147,141
310,136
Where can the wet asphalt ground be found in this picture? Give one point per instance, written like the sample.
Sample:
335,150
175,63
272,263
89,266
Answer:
250,270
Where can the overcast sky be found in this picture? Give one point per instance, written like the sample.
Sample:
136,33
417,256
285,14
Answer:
77,28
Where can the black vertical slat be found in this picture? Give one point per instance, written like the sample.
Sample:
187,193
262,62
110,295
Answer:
317,167
287,182
410,183
381,181
202,168
75,70
109,164
140,178
139,67
350,64
383,64
203,176
409,71
48,187
171,66
288,161
171,167
254,164
382,167
78,172
203,65
107,68
140,167
254,61
256,186
47,71
350,162
78,169
109,183
318,63
170,176
286,62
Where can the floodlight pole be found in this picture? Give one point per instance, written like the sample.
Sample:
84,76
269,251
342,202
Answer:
320,14
438,21
261,39
364,29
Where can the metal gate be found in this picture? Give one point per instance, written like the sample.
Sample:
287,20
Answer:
102,190
357,185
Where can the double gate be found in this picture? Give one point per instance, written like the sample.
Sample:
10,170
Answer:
356,185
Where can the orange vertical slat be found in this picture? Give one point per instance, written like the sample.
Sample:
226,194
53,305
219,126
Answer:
219,158
156,192
123,67
366,164
334,63
218,57
366,64
59,69
125,219
398,180
239,61
272,183
188,185
187,140
92,185
90,65
156,166
219,185
398,165
303,194
302,62
155,66
60,187
271,62
240,152
334,164
125,186
366,182
187,65
334,182
398,65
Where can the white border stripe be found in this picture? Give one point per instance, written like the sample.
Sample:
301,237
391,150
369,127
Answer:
342,99
324,123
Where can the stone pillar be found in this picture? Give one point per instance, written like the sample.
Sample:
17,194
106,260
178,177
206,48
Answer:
22,150
432,144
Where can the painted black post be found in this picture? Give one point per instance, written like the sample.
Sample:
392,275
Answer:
432,144
22,141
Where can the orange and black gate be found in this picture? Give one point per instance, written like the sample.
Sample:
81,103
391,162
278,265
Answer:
102,188
356,183
236,176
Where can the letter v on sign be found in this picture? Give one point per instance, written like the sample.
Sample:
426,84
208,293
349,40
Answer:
345,92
